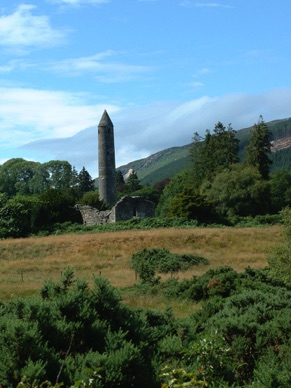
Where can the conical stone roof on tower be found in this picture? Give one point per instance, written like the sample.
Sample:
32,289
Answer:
105,120
106,160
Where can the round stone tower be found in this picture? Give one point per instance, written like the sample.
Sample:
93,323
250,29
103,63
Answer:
106,160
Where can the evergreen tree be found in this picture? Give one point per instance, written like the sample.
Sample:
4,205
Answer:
198,156
214,153
179,183
85,181
226,145
259,148
133,183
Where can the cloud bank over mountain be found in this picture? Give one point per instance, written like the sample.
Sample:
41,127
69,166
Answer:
141,131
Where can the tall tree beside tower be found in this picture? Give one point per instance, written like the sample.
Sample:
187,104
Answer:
85,181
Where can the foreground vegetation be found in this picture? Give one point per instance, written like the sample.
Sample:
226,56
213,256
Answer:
73,333
233,332
86,337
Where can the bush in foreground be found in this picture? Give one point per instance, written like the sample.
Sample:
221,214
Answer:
73,335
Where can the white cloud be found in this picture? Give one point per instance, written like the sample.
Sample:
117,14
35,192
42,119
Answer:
77,3
31,114
104,71
256,53
8,67
22,28
15,64
57,121
196,84
189,3
204,71
145,130
212,5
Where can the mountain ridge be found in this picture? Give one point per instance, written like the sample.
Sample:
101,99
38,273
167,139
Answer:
170,161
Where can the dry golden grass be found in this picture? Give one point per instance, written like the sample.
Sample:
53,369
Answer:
27,263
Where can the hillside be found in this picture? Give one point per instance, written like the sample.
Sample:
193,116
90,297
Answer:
161,165
167,163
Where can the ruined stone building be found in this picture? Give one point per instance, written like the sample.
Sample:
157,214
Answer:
127,207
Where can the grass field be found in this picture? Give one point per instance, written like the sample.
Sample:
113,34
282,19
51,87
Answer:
27,263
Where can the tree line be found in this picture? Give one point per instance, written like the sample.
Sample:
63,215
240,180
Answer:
35,196
223,184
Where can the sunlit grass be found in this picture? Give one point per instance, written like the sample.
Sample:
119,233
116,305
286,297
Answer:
27,263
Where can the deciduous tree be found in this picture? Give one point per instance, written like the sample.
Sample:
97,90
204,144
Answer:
239,190
15,175
61,174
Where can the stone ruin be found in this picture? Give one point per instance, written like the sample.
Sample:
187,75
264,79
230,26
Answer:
125,209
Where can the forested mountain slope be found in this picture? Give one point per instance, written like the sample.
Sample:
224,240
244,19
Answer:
167,163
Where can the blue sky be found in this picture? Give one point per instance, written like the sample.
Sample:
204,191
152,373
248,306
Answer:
163,69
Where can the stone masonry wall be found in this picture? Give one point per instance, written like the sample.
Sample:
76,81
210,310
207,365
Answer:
92,216
129,207
125,209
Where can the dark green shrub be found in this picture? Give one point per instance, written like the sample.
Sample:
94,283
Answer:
221,281
73,332
259,220
82,336
252,322
58,206
273,369
147,262
172,288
